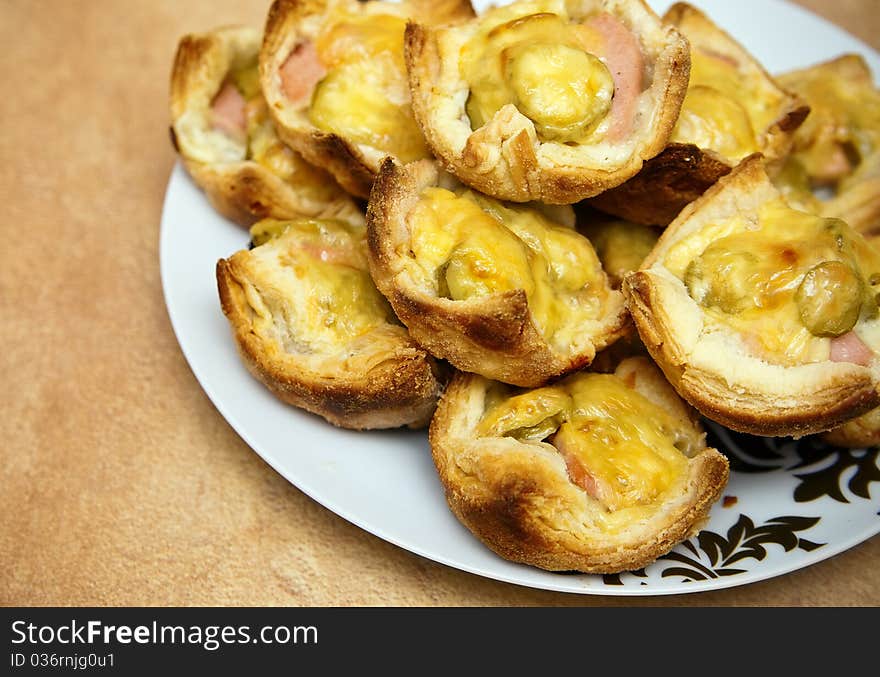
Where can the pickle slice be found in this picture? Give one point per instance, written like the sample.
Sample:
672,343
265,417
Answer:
829,299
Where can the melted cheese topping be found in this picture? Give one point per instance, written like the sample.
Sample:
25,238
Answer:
785,282
247,79
468,245
266,149
618,445
843,126
793,182
309,286
530,55
364,96
621,246
726,108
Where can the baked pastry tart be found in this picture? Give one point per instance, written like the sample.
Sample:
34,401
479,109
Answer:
843,128
838,146
507,291
597,473
334,76
733,108
546,99
311,325
221,128
763,317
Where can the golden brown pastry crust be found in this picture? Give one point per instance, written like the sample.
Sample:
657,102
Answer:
732,386
863,431
677,176
505,158
294,22
491,335
241,190
517,497
386,381
683,172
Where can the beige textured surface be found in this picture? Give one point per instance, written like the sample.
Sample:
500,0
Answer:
121,484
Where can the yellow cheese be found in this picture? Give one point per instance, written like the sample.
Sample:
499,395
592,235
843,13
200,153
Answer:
349,37
621,245
313,275
618,445
468,245
785,283
364,96
844,119
266,149
726,109
711,119
529,55
247,79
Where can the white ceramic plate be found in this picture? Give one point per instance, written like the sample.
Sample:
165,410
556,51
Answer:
795,503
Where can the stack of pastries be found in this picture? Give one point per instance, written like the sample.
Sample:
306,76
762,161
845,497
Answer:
556,233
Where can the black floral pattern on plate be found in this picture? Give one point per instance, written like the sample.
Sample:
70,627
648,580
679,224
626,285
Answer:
714,555
823,468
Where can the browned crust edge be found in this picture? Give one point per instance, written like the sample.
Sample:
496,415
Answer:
401,390
666,183
246,192
492,335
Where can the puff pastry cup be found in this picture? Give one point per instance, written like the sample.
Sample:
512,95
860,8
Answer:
508,291
548,100
733,108
838,146
762,317
310,324
221,129
597,473
334,76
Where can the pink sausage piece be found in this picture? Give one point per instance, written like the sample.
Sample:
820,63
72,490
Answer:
228,110
335,255
301,72
624,58
578,474
850,348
